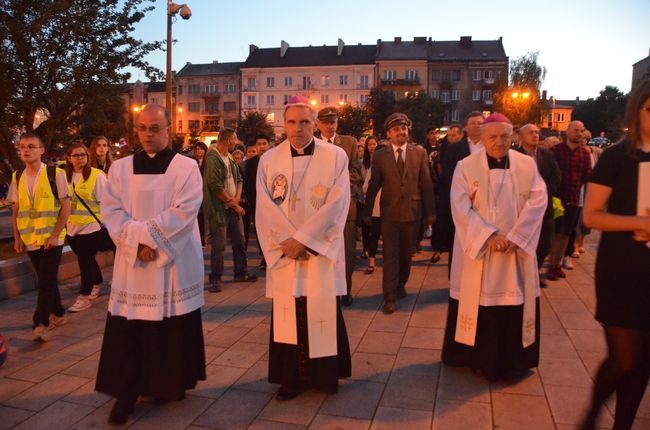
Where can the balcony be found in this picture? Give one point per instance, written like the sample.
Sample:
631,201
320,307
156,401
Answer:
400,82
210,112
488,81
210,94
487,102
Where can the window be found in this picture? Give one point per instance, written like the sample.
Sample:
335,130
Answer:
288,81
390,75
487,96
229,88
324,99
270,82
229,106
306,82
211,89
446,75
455,75
286,98
498,74
435,75
270,100
444,96
343,80
476,95
363,99
455,115
211,107
435,94
194,107
476,75
193,90
364,82
325,81
250,100
179,90
193,124
411,75
343,98
488,74
250,83
180,125
153,101
230,123
455,95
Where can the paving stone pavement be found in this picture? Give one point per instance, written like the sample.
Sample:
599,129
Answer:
398,381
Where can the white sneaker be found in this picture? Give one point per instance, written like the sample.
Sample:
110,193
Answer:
82,303
40,333
567,264
95,292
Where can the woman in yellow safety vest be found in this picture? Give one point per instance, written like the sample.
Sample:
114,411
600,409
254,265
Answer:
84,236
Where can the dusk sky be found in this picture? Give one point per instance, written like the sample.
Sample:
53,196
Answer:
584,45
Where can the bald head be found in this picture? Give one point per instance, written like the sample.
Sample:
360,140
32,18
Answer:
574,133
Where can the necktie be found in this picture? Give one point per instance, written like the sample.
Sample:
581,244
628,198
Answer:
400,162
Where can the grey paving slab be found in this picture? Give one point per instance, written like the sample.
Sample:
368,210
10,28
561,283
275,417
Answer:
397,378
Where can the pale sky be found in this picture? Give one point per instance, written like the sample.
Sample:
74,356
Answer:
584,44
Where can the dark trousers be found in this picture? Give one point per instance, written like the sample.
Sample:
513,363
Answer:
85,247
398,246
545,240
235,229
350,239
201,220
571,218
46,264
371,235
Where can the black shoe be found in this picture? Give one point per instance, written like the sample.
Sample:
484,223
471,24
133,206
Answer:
122,408
286,394
215,287
389,307
401,293
435,257
347,300
262,265
245,278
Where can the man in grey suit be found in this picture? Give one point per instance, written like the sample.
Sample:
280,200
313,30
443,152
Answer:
401,171
327,124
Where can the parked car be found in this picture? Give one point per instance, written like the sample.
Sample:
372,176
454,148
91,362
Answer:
600,142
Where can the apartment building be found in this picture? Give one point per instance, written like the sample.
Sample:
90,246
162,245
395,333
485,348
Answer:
207,97
327,75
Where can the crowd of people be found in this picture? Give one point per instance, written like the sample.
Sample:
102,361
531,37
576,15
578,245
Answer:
509,207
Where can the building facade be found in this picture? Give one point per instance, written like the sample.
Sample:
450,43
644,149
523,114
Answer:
327,75
207,97
640,71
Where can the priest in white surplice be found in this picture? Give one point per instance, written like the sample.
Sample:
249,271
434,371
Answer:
153,341
498,201
303,194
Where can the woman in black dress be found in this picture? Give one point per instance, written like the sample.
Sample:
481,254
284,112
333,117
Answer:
622,265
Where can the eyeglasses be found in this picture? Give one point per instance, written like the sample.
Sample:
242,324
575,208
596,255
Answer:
29,147
78,155
155,129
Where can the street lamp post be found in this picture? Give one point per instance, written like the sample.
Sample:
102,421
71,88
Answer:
185,13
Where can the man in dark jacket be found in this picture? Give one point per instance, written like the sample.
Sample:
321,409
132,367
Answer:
250,176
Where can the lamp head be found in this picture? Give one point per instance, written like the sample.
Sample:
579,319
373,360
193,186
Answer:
185,12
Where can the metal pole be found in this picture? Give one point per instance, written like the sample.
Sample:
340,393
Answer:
168,73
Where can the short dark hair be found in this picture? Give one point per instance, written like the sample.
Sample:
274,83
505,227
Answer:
261,136
31,135
430,129
225,134
455,125
472,114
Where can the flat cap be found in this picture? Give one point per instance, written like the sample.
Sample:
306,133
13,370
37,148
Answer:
328,113
397,118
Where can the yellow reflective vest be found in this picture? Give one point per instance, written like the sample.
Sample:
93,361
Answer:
36,220
84,189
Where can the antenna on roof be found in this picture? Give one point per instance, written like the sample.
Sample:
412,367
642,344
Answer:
283,48
339,50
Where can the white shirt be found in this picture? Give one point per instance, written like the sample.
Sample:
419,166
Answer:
395,153
474,146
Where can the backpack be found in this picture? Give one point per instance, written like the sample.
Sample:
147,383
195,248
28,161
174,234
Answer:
51,178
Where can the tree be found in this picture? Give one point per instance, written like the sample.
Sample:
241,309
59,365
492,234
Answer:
604,114
60,55
253,123
353,120
424,111
380,104
520,100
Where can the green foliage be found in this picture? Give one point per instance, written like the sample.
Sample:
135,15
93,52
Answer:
251,124
353,120
605,113
60,55
423,110
526,76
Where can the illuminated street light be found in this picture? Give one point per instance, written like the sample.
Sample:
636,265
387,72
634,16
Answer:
312,102
184,11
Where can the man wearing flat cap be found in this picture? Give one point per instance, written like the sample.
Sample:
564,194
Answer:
498,200
327,124
401,171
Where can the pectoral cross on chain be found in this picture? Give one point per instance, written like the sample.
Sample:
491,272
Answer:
292,201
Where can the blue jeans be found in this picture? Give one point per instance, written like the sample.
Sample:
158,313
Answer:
234,227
